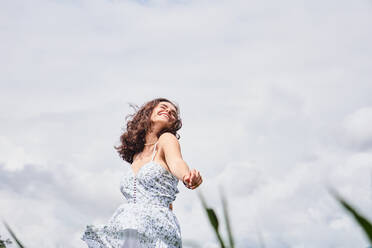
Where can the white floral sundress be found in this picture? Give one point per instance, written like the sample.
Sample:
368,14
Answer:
145,220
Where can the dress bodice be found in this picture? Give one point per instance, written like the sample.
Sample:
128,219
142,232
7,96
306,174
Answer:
152,184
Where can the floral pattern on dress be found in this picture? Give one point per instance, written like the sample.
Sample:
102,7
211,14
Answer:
145,220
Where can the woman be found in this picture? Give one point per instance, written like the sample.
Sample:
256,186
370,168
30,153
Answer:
150,144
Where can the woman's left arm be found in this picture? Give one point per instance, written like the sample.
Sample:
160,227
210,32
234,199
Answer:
173,157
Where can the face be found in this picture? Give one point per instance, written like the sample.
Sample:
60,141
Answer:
164,113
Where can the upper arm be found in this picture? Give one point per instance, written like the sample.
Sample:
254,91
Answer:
172,148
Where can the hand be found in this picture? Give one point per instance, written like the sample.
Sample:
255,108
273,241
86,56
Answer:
193,179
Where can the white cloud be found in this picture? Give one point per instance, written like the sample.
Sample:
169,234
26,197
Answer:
358,128
15,156
274,96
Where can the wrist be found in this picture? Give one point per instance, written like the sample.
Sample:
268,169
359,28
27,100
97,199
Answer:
183,180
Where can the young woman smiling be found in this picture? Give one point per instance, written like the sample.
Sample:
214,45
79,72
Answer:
150,144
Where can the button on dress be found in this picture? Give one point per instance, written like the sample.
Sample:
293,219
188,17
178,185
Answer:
145,220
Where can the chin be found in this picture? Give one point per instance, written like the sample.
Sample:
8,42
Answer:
164,123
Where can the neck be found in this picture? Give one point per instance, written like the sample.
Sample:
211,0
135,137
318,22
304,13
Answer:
151,134
151,138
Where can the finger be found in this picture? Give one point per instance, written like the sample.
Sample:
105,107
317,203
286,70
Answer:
187,177
192,177
197,184
197,178
195,172
186,182
200,181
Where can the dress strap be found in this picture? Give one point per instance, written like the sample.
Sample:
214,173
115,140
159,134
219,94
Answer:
154,151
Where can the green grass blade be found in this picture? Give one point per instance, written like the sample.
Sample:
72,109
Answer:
2,243
227,219
212,219
13,235
210,213
361,220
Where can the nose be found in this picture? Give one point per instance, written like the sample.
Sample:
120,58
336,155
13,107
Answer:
166,111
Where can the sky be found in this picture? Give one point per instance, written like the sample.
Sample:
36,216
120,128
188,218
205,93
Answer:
274,96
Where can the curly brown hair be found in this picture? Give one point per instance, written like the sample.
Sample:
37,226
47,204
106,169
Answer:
133,139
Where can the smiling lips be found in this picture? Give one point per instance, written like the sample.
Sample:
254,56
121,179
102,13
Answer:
164,114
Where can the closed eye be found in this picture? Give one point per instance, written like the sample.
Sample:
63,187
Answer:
172,111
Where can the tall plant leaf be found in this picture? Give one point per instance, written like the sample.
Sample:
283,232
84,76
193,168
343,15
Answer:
226,216
360,219
13,235
212,219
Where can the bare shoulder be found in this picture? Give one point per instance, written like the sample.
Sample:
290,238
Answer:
168,138
170,146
